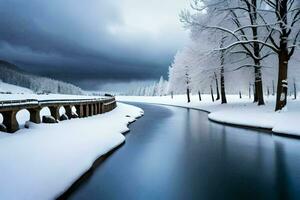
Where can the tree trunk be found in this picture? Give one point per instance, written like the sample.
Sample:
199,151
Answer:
295,90
223,92
240,94
268,91
255,100
249,90
217,86
282,85
172,94
188,95
254,95
199,94
212,94
258,86
283,57
259,94
273,88
222,78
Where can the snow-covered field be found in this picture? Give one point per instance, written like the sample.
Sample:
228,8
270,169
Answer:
5,87
21,93
43,161
237,111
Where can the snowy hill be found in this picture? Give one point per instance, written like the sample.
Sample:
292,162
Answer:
11,74
9,88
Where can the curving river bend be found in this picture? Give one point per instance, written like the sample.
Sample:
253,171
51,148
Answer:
176,153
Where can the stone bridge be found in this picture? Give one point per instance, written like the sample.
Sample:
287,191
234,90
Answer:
84,108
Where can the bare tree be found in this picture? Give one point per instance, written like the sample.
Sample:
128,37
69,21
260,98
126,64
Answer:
295,89
222,58
273,88
212,93
217,86
247,42
249,90
187,81
274,25
284,38
199,94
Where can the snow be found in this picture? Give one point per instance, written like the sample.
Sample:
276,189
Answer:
19,96
5,87
43,161
238,111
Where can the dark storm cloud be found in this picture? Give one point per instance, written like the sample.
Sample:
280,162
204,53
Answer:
70,40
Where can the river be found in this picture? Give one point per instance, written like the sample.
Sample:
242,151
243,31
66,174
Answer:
177,153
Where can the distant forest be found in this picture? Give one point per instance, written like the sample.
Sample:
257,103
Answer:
10,73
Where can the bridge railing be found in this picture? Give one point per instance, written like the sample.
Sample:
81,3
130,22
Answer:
84,108
17,102
9,103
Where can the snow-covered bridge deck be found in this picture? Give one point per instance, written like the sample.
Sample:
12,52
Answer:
84,108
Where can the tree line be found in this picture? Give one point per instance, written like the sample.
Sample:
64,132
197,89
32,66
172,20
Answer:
9,73
239,45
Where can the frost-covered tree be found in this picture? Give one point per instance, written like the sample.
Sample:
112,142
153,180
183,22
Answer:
170,89
157,88
237,19
217,86
222,71
187,79
257,29
161,87
10,73
282,18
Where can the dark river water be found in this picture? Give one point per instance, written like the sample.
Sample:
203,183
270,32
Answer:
176,153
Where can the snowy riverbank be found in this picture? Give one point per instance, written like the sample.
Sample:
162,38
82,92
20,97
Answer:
237,111
42,162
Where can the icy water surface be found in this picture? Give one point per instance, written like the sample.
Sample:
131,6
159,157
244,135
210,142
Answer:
176,153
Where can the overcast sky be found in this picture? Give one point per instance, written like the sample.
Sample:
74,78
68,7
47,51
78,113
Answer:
92,43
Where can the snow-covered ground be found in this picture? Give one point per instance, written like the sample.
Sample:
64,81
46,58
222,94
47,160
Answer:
5,87
21,93
43,161
237,111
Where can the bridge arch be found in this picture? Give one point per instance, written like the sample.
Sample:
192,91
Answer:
1,118
45,111
22,116
62,110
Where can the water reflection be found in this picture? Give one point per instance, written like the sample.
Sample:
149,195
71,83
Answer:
281,173
176,153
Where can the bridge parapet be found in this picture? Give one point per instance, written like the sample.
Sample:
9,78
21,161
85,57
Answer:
84,108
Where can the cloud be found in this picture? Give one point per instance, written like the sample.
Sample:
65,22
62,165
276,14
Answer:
91,40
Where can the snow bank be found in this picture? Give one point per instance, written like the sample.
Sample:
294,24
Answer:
43,161
238,111
288,123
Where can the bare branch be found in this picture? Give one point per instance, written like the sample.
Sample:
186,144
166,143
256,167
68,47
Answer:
247,42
